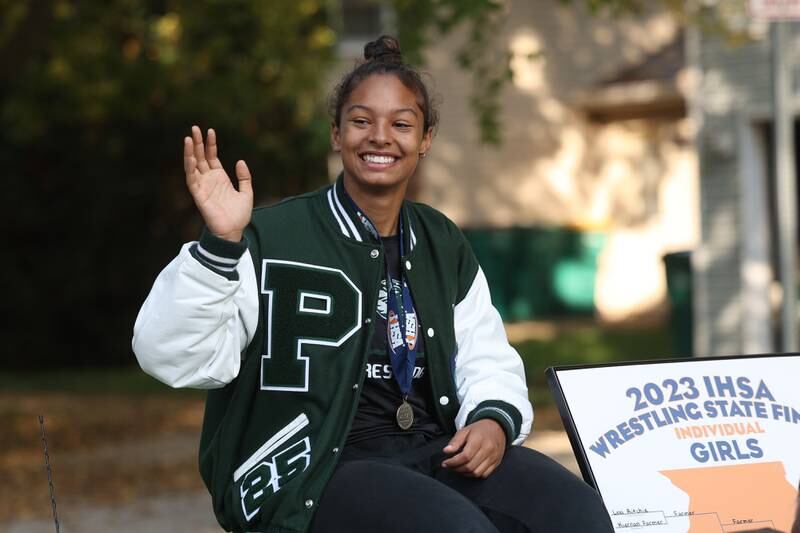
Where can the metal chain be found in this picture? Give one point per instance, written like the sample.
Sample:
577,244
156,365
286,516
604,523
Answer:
49,474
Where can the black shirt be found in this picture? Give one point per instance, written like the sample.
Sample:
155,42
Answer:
381,394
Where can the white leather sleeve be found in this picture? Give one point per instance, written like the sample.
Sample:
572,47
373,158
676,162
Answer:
195,324
487,367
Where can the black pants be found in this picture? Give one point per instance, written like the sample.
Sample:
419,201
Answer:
397,484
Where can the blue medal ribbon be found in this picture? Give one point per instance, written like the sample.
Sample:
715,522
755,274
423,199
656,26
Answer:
401,319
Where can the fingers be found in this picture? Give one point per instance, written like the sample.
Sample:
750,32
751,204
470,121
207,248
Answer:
457,441
199,150
189,162
477,450
472,457
486,467
491,468
211,149
483,462
244,177
468,454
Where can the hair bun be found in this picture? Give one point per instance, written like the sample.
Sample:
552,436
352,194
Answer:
384,49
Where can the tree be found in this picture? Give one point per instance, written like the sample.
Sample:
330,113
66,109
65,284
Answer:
94,102
727,18
419,21
95,98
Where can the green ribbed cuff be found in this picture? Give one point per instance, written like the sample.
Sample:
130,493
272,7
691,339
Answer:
501,412
219,255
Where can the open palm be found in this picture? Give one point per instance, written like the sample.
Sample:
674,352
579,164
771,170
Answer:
225,210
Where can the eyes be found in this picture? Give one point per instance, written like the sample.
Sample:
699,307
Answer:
402,125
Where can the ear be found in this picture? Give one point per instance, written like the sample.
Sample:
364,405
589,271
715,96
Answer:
336,144
427,138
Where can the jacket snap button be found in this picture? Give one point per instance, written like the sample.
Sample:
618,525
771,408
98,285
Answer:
367,320
355,387
335,450
309,504
444,400
374,254
430,332
408,265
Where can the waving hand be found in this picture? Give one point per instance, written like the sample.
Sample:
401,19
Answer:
225,210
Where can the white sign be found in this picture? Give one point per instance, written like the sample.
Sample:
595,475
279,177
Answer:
774,9
698,445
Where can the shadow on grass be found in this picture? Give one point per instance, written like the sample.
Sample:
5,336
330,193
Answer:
118,434
126,380
582,343
114,435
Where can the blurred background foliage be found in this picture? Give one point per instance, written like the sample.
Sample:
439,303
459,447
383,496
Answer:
95,98
579,343
94,101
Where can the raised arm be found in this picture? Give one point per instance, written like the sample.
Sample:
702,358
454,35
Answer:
203,308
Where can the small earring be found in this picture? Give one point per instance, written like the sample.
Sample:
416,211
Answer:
422,155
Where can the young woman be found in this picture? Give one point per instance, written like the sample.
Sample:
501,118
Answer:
360,379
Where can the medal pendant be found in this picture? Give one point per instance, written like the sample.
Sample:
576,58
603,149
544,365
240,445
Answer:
405,415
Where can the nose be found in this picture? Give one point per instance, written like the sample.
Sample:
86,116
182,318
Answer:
380,133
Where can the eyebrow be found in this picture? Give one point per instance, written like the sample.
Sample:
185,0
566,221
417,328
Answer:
394,111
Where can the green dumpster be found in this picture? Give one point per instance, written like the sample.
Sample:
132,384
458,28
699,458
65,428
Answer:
574,276
678,266
538,272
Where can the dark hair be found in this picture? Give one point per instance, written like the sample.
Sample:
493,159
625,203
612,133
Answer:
382,56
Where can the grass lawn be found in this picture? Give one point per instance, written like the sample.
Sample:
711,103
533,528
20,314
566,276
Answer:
584,345
572,345
566,344
129,380
99,422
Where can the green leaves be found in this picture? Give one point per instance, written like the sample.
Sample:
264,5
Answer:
95,98
479,53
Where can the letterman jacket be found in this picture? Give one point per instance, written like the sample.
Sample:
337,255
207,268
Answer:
279,332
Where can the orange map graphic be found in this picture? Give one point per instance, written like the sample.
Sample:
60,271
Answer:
747,497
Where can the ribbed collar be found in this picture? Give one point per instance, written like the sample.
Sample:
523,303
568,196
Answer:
347,219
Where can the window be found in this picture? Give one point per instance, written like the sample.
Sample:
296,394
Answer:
360,21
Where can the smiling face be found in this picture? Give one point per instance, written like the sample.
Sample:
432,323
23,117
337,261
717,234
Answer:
380,135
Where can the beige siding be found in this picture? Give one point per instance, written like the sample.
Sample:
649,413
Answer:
735,86
636,180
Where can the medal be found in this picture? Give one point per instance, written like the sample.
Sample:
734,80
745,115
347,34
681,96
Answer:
401,325
405,415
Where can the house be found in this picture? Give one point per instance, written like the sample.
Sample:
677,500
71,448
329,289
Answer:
736,264
596,178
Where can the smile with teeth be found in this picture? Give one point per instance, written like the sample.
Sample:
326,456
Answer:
379,159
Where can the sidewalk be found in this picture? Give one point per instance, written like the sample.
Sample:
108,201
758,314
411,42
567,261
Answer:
192,511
